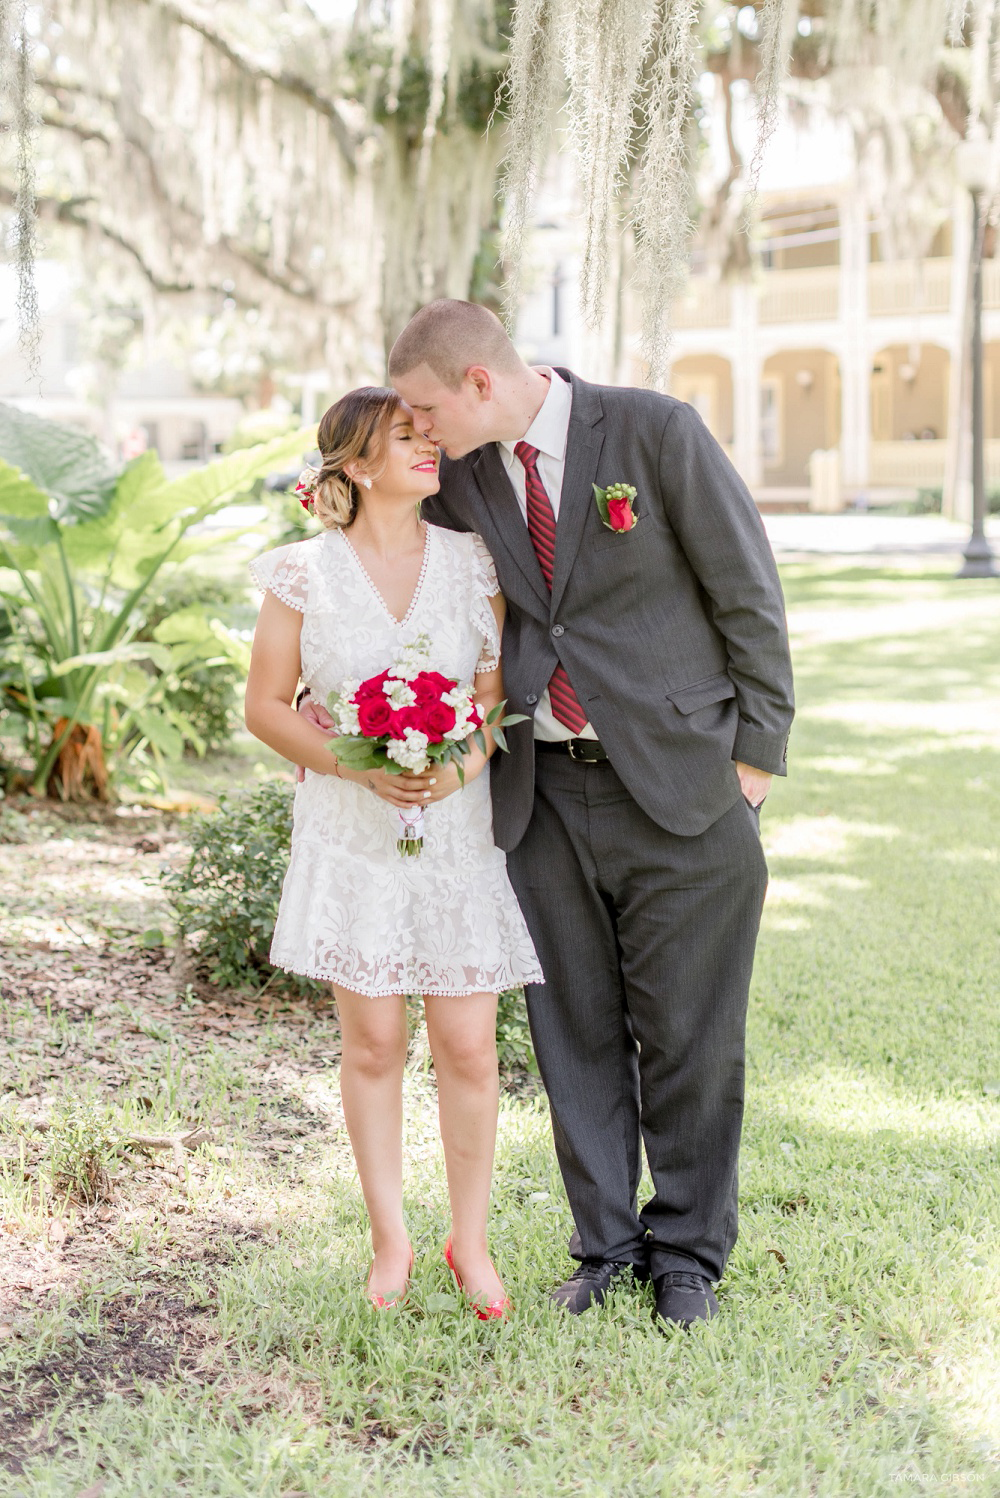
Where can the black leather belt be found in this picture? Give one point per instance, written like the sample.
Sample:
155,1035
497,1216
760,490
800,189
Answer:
584,751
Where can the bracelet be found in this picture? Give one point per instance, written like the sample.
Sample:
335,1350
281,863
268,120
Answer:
336,768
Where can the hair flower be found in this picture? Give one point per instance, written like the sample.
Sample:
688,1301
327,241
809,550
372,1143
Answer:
305,488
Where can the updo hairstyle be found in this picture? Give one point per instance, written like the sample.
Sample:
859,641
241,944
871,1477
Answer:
354,430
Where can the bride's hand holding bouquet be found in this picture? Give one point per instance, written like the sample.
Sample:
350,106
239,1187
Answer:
412,725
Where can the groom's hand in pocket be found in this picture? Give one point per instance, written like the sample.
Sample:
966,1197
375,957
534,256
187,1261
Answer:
754,784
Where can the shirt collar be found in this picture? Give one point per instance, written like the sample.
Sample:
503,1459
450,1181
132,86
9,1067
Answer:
549,430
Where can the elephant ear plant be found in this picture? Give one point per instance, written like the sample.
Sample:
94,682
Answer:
82,544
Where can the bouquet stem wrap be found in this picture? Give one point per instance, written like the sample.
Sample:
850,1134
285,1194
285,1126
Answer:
411,830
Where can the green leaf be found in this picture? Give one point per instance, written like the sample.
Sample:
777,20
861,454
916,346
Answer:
131,527
500,738
479,738
513,718
19,496
158,729
439,1302
602,503
138,650
495,712
67,463
356,753
219,481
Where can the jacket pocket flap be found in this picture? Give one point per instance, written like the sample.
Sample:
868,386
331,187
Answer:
702,693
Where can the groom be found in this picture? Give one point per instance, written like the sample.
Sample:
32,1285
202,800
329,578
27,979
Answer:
652,660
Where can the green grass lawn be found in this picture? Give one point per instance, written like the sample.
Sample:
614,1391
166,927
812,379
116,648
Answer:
858,1349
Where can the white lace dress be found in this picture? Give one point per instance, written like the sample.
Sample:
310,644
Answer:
353,909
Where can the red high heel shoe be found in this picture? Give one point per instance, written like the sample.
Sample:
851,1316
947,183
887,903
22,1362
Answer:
492,1310
379,1302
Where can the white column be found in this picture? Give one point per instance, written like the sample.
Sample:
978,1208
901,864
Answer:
958,459
746,367
855,372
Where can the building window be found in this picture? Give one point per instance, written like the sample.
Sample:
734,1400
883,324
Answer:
770,423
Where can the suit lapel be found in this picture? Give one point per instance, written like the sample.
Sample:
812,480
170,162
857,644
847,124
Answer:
506,520
583,450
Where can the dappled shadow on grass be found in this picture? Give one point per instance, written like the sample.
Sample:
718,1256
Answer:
879,943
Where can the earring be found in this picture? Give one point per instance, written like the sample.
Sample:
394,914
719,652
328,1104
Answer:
367,482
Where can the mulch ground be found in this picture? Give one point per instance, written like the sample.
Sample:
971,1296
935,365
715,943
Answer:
81,1012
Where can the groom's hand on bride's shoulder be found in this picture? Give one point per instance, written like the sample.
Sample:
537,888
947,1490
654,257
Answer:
315,713
754,784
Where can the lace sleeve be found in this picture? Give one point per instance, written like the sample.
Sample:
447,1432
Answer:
285,573
485,587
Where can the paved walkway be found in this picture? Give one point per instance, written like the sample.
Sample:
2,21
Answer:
871,535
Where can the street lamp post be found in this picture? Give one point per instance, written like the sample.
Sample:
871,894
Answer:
974,162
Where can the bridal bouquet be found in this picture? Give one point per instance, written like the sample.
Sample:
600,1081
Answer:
406,719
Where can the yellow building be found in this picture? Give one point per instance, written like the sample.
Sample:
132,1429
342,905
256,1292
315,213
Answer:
834,377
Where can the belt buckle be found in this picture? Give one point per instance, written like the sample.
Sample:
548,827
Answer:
581,759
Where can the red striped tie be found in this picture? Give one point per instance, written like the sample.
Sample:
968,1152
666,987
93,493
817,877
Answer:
542,530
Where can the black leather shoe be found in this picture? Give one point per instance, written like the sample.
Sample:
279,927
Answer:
683,1298
589,1285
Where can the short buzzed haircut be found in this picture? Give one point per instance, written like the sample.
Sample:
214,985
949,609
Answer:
450,337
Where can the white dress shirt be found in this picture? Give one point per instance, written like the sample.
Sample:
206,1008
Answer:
548,432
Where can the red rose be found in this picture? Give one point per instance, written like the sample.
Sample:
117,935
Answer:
374,716
476,715
372,687
406,717
427,691
620,516
438,719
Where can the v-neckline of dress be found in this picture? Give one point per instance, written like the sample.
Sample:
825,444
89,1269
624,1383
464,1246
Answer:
415,597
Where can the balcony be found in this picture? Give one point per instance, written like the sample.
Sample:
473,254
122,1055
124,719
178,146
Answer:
812,294
808,295
909,286
703,304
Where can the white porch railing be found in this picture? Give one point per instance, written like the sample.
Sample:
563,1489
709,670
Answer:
812,294
909,286
808,295
703,304
921,465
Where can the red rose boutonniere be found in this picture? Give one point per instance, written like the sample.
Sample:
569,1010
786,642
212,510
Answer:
615,505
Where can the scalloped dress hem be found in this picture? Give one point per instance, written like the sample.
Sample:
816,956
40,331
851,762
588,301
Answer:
408,990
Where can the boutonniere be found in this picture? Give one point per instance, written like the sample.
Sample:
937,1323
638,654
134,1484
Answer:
615,505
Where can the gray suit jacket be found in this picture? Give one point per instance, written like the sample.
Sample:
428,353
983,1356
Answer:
673,634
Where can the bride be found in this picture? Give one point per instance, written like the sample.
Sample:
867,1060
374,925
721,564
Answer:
379,926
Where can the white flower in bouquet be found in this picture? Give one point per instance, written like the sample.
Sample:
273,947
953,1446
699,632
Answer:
347,718
343,711
399,694
409,751
412,659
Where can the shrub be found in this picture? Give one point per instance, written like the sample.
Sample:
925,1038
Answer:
81,1144
207,693
514,1047
225,900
